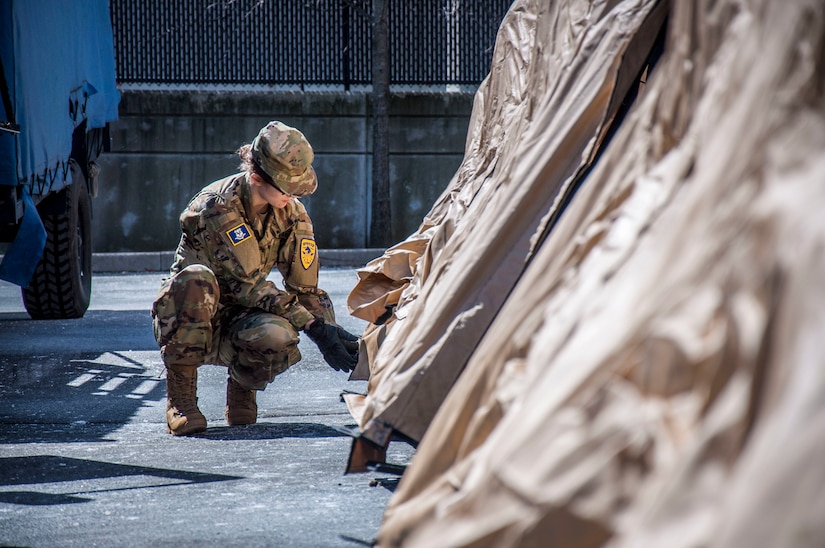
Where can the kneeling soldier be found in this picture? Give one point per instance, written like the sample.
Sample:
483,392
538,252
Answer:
218,307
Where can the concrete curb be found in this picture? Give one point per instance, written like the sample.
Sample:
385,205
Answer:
160,261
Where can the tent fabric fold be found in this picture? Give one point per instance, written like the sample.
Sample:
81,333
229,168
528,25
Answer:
653,376
446,283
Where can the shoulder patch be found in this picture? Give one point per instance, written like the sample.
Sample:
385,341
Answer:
239,234
308,250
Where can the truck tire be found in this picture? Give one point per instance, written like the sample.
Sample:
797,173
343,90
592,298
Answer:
62,282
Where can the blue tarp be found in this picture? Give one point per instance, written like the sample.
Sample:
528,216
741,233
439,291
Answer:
61,53
58,59
8,161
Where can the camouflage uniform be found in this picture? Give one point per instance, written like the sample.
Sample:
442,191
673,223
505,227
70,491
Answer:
218,307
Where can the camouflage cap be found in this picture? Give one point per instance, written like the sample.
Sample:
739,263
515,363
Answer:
284,154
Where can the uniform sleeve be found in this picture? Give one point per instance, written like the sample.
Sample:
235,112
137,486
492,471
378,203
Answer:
298,263
234,256
298,257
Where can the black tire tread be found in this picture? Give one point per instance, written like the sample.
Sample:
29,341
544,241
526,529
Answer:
56,290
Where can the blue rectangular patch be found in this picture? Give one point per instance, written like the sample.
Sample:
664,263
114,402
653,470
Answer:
239,234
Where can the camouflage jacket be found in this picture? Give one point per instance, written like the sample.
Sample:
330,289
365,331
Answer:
221,231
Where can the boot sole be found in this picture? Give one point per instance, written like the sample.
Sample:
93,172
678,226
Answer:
187,432
195,426
241,421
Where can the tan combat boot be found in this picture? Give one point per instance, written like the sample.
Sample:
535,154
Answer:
182,414
240,404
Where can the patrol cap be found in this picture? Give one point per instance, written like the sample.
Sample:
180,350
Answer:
283,153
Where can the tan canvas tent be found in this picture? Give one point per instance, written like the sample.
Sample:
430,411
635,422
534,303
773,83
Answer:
654,373
449,280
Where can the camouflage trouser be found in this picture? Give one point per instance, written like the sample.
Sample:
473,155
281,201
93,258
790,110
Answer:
192,328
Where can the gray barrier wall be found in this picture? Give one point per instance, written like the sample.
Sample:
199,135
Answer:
168,144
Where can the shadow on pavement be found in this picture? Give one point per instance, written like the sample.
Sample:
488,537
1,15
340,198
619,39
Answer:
358,541
75,397
48,469
76,380
271,431
97,331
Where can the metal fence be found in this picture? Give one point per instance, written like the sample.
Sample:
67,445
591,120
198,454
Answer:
301,42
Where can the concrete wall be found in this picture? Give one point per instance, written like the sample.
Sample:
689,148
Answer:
167,145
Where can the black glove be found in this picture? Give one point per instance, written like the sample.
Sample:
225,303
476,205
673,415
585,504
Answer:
331,342
349,341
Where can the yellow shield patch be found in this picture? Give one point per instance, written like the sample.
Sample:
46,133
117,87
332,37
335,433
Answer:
308,250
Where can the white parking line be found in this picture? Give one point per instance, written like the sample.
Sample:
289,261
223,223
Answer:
84,378
145,387
114,382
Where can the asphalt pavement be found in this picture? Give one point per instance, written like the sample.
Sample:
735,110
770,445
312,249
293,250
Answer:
85,459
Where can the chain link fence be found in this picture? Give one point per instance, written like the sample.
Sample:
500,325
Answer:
301,42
